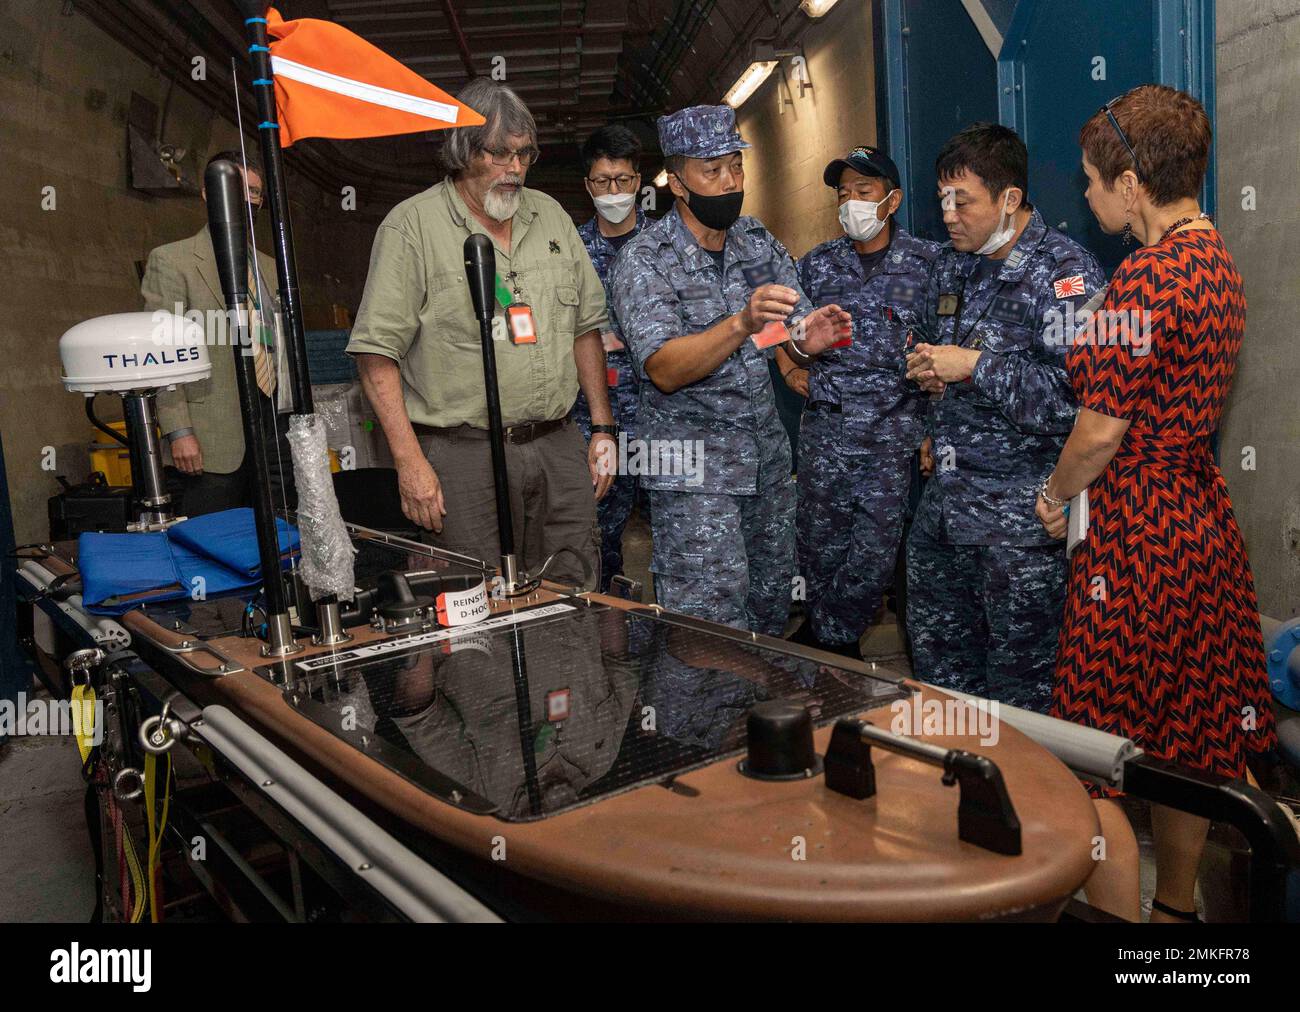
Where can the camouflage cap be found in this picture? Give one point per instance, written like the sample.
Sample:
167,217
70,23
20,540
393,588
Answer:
700,131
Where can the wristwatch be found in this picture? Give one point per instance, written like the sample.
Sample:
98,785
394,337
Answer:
608,430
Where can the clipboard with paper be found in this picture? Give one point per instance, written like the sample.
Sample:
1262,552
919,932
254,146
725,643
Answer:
1076,522
1076,513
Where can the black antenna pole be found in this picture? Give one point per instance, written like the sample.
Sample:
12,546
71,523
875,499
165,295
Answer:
480,269
224,184
286,268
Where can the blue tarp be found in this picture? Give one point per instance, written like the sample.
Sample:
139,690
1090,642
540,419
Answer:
123,571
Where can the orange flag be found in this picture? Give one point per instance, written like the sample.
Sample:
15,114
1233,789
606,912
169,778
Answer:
332,83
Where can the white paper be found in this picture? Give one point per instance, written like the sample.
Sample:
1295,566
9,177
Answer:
1076,522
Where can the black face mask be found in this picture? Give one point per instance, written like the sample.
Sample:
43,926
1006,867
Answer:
719,212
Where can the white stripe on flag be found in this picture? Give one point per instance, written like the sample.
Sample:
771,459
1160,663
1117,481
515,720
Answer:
371,93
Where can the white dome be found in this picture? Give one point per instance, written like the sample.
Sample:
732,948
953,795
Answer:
133,351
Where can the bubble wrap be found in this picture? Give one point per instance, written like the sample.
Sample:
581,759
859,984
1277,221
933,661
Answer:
326,548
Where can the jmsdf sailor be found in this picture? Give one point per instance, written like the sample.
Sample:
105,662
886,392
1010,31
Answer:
688,296
863,421
985,588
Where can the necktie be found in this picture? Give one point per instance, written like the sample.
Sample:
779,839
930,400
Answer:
263,363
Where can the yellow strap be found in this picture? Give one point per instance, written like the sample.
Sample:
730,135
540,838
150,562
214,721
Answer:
83,718
156,825
137,877
150,794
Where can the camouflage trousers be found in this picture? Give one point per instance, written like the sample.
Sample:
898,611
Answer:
985,619
614,511
851,510
728,558
612,514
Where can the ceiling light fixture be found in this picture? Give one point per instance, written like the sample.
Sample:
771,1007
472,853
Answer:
748,82
816,8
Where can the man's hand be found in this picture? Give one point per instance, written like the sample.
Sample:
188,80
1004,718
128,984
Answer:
797,380
927,457
944,363
1052,517
767,304
187,455
602,461
421,493
822,328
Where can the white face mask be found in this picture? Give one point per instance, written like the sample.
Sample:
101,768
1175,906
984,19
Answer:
615,206
859,219
1001,236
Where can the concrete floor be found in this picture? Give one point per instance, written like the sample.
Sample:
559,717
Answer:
46,864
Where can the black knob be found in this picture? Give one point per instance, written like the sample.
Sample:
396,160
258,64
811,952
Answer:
396,601
780,742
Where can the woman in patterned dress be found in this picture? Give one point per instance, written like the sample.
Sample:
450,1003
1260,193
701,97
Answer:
1161,640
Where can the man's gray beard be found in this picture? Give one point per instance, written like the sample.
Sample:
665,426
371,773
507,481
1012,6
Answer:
501,206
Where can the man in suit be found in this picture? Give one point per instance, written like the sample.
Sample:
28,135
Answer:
201,421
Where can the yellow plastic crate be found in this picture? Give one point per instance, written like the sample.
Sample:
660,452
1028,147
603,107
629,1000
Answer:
111,458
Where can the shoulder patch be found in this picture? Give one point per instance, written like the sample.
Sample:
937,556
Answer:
1066,288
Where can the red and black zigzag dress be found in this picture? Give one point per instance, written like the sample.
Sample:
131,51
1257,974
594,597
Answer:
1161,639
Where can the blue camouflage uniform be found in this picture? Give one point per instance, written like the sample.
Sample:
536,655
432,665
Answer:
613,510
723,519
986,583
860,429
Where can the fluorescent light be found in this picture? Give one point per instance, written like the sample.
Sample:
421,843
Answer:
816,8
748,83
662,178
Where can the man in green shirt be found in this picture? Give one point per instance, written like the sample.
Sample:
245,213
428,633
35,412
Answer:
416,342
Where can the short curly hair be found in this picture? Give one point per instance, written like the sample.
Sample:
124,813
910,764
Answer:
1170,135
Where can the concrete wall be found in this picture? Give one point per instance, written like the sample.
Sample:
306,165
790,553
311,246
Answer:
65,88
1258,137
783,172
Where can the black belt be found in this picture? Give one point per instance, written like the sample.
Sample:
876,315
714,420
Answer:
815,406
525,432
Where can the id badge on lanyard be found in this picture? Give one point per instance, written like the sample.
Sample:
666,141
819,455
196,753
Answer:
523,328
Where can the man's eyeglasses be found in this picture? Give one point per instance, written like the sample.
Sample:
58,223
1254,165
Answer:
1115,123
602,184
504,156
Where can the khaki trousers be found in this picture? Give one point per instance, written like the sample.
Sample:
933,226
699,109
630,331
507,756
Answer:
552,502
